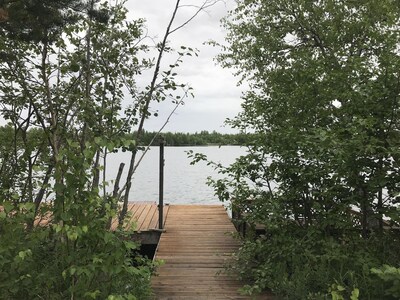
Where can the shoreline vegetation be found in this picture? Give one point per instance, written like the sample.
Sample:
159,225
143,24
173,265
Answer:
202,138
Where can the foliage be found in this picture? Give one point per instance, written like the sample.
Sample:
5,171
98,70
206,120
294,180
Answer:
76,257
91,263
201,138
64,73
65,69
39,20
323,168
70,88
308,265
391,277
15,149
337,293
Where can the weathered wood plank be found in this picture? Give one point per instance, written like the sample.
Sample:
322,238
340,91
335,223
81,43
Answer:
146,223
139,221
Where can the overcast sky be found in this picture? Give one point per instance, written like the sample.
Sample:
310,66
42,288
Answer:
216,95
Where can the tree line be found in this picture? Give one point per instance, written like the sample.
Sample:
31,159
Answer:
202,138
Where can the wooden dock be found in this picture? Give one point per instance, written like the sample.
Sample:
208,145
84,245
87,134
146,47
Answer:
197,243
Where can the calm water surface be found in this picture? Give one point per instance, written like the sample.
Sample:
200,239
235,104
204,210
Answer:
183,183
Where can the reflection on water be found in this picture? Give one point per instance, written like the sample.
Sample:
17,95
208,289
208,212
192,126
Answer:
183,183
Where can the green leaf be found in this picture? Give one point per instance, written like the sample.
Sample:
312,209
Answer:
59,187
355,294
8,206
110,146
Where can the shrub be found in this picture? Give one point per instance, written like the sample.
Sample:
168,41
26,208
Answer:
76,261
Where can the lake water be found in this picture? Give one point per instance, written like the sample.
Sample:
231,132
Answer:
183,183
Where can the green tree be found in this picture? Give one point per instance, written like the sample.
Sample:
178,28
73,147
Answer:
68,80
324,104
65,67
39,20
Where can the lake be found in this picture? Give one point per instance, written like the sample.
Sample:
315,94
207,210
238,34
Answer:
183,183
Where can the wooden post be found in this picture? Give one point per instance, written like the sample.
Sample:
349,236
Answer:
161,186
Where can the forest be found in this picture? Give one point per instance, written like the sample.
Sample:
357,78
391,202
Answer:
202,138
321,174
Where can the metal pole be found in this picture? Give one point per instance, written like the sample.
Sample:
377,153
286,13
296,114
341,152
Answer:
161,186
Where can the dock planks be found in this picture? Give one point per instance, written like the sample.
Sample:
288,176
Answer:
195,247
143,215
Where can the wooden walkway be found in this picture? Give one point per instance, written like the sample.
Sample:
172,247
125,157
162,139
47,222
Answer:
195,246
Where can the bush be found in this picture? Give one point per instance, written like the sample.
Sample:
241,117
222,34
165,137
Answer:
80,261
390,277
299,264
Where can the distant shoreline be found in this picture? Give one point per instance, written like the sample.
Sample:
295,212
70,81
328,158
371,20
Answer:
203,138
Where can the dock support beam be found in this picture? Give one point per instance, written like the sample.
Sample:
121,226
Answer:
161,186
